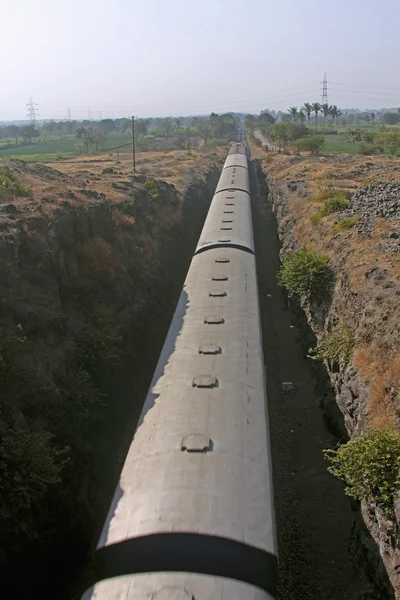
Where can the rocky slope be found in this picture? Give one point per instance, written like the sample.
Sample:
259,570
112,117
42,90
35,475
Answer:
366,263
91,265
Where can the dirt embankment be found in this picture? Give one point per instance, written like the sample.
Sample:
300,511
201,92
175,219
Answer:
366,262
91,266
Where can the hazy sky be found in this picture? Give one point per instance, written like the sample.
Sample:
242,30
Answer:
161,57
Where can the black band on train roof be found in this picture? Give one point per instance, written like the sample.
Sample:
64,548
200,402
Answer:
224,245
234,167
232,189
189,553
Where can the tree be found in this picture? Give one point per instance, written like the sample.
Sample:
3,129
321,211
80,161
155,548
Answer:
204,130
286,132
390,140
334,112
166,126
87,136
127,126
49,127
14,131
250,122
266,117
314,143
354,135
28,132
107,125
293,112
302,117
98,137
141,126
325,109
390,118
307,108
316,108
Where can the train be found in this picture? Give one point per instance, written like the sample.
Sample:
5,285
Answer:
193,516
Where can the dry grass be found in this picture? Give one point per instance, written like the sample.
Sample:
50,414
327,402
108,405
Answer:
120,218
99,256
380,369
354,256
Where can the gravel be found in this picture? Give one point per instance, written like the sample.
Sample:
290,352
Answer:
377,201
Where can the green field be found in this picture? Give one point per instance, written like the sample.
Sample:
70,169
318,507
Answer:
341,146
53,148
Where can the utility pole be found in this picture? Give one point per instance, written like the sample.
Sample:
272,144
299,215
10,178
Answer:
133,144
188,140
32,111
325,90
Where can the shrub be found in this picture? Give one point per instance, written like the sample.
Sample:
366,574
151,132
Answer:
369,466
306,273
328,191
9,186
333,204
314,143
11,349
336,349
29,465
368,149
345,223
151,187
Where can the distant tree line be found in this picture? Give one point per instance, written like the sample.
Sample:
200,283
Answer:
93,133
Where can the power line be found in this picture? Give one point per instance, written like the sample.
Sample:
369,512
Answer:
374,87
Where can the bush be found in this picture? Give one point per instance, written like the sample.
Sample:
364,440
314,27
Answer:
314,143
369,466
334,204
369,149
336,349
9,186
345,223
152,189
306,273
29,465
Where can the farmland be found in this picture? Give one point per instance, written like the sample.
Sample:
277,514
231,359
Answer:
44,150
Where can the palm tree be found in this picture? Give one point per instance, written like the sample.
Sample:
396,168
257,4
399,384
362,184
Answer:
307,108
316,108
325,110
293,112
301,114
334,112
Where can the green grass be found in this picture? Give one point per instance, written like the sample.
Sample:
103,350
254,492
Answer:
41,151
343,147
345,223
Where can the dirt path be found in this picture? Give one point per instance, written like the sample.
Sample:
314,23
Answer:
319,558
265,141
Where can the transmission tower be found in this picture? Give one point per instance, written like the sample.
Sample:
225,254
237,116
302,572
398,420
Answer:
32,111
325,90
69,114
